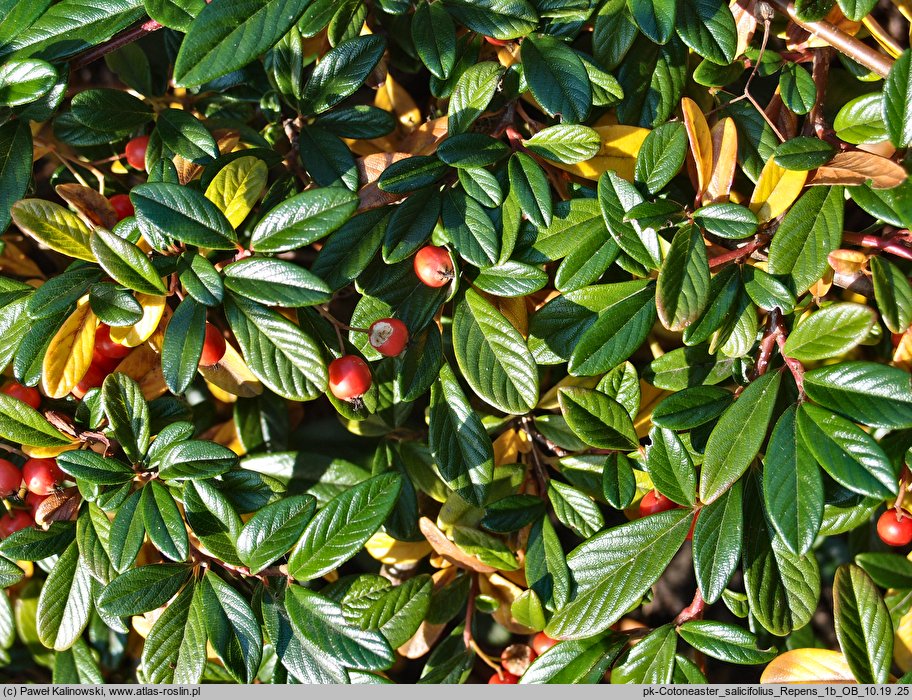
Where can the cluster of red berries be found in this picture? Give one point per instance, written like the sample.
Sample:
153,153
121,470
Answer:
894,527
516,658
41,478
655,502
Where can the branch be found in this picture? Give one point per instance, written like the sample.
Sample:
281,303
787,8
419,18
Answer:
839,40
887,245
128,36
738,253
694,611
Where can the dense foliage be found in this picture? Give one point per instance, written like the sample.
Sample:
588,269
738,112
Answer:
361,341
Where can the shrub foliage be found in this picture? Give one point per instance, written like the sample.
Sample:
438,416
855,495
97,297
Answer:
676,271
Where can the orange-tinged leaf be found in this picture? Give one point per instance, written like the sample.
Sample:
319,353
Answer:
618,152
744,12
14,262
776,191
94,208
226,434
857,167
237,186
70,353
143,365
232,375
504,592
137,334
724,160
701,143
394,98
808,666
506,447
386,550
902,356
847,262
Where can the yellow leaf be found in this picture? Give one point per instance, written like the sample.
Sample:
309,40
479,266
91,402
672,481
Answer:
618,152
231,374
649,398
725,157
776,190
701,145
70,353
45,452
808,666
393,98
902,643
506,447
237,186
53,226
504,592
14,262
386,550
137,334
226,434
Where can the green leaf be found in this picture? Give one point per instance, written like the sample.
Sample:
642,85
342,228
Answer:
576,661
93,531
213,519
727,220
597,419
166,210
683,285
65,601
493,356
472,94
782,588
797,88
893,294
620,329
863,625
616,197
276,283
56,227
196,459
833,330
434,36
511,279
737,437
846,452
399,612
811,230
93,468
185,135
341,71
887,570
856,10
708,27
670,466
575,509
182,346
529,184
163,522
461,448
32,544
274,530
512,513
565,143
23,425
717,543
614,570
653,84
114,305
175,648
655,18
303,219
557,78
500,19
15,166
472,150
689,408
661,156
76,665
232,628
792,486
487,549
410,174
343,525
803,153
278,352
128,532
650,661
142,589
725,642
227,35
25,80
127,413
897,101
868,393
470,229
126,263
618,481
861,120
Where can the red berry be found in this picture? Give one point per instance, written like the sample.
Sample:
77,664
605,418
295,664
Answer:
107,347
123,207
388,336
34,501
26,394
349,377
42,476
135,152
213,346
895,529
506,678
94,376
541,642
654,502
693,524
14,521
433,266
10,478
496,42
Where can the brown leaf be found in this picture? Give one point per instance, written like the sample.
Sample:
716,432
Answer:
369,170
856,168
94,208
745,22
449,551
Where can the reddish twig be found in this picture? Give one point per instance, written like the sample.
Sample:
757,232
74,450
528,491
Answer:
128,36
795,367
694,611
887,245
738,253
